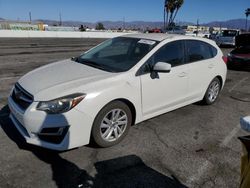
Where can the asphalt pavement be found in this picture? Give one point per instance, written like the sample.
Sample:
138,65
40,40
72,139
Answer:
195,146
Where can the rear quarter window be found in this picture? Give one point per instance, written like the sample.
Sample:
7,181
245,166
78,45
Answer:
199,50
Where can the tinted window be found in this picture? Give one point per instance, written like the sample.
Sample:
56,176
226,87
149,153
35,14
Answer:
198,50
117,48
171,53
214,51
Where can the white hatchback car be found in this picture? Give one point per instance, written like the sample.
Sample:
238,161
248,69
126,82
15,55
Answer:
121,82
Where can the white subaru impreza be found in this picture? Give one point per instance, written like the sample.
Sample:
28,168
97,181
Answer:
121,82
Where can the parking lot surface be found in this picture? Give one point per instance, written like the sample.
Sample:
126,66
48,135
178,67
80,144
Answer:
195,146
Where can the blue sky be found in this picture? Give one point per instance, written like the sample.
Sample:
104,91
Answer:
115,10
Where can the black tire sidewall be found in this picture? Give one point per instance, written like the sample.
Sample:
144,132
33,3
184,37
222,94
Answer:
206,98
95,133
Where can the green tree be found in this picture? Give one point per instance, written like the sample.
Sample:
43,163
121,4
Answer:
99,26
82,28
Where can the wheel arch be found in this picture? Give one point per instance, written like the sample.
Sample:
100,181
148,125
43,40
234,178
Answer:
130,105
221,80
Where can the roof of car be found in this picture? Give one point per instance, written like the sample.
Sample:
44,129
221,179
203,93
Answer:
163,36
156,36
150,36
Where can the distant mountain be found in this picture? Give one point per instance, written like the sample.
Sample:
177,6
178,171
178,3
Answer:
107,24
112,24
233,24
143,25
66,23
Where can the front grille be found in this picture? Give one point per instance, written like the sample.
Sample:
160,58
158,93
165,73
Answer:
21,97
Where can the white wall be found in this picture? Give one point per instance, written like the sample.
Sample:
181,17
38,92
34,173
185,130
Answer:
57,34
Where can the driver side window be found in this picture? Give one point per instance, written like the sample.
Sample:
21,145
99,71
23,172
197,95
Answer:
172,53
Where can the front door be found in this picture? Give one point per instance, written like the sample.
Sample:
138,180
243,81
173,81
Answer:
162,92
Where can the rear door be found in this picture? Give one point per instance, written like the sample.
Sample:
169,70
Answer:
201,67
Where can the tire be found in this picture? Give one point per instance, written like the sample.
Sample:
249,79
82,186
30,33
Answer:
111,124
212,92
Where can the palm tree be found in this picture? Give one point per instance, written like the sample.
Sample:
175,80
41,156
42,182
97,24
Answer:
166,10
178,5
172,7
247,12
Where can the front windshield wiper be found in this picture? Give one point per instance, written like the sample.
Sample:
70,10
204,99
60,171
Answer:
94,64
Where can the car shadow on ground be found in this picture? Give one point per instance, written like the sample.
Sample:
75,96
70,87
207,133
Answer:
239,69
128,171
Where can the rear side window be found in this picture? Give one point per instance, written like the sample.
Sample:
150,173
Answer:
198,51
214,50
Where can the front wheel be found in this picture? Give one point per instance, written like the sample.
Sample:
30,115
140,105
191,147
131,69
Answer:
111,124
212,92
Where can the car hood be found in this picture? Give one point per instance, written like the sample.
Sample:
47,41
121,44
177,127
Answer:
60,78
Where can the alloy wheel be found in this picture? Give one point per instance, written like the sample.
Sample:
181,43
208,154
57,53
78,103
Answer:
113,125
213,91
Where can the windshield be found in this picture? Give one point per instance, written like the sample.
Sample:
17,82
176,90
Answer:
229,33
118,54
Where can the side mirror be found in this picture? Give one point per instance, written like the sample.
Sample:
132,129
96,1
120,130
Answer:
73,58
76,59
162,67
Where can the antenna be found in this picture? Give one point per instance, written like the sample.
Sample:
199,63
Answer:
197,27
123,23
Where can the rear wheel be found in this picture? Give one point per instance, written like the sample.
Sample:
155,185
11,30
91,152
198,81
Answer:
111,124
212,92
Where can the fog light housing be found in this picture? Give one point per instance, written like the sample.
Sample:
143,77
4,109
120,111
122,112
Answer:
53,135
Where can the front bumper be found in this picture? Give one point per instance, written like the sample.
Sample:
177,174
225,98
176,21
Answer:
75,125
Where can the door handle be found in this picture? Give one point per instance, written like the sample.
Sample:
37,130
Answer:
211,66
183,74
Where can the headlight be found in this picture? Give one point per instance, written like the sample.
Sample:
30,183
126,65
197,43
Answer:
61,105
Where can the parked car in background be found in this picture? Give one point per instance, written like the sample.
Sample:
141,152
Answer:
155,30
240,56
227,37
121,82
175,30
198,34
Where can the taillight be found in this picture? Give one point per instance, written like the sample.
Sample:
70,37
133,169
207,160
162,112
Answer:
225,59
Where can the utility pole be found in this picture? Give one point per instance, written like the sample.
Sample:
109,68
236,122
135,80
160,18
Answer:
197,27
30,17
123,25
247,14
60,17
